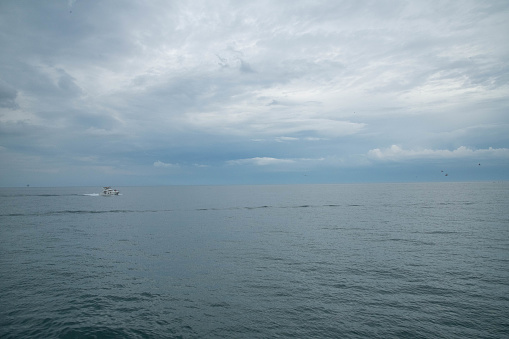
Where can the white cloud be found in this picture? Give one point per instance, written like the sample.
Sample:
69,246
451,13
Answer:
314,139
285,139
288,163
164,165
261,161
397,153
253,122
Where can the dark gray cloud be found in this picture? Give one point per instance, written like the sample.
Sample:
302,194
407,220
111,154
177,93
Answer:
8,96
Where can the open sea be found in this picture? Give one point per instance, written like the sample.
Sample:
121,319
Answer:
426,260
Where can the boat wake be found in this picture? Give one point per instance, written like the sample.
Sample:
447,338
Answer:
92,194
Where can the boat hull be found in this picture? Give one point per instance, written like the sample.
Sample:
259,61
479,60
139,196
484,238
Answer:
107,191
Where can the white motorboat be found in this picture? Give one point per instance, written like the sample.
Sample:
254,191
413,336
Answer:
109,191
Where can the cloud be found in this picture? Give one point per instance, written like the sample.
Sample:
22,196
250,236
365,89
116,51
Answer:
258,122
67,83
293,163
165,165
199,82
245,67
8,96
286,139
260,161
396,153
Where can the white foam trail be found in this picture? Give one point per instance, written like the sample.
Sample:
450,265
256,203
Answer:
92,194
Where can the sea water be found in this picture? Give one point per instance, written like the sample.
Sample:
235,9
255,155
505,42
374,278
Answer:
324,261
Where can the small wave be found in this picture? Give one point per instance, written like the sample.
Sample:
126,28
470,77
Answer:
220,304
297,206
36,195
412,241
50,213
441,232
268,206
257,207
101,332
90,211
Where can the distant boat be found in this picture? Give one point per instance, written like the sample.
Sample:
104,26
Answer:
109,191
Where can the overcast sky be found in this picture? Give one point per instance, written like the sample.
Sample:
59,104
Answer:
247,92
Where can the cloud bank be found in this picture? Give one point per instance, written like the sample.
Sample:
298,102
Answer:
396,153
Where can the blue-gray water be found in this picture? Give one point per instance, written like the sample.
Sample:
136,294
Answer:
338,261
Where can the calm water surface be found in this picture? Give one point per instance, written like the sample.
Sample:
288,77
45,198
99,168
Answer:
349,261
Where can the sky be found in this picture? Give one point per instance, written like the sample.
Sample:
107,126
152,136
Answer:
130,93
